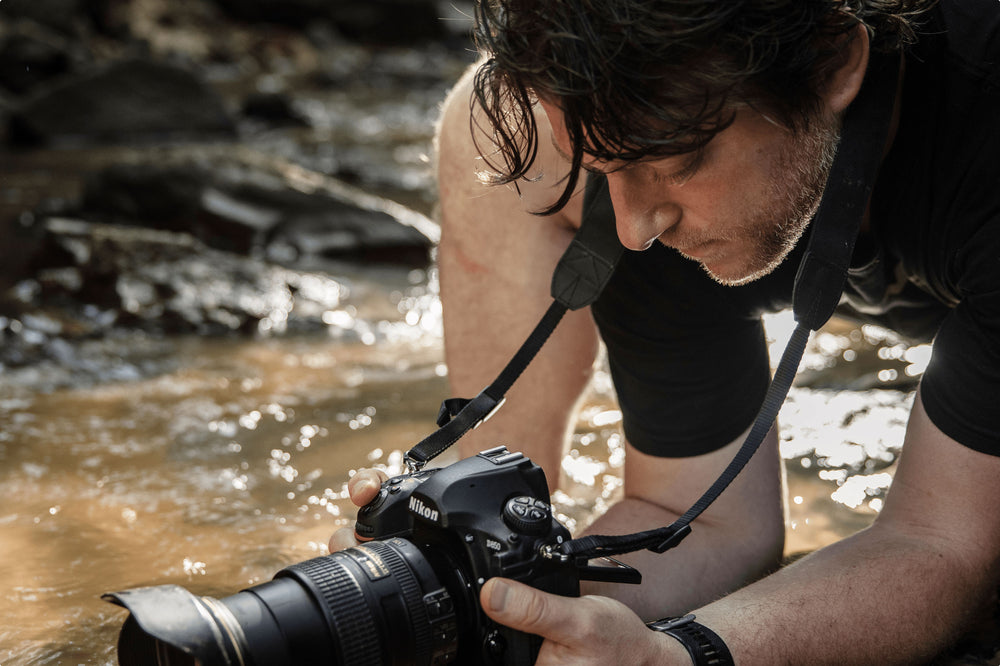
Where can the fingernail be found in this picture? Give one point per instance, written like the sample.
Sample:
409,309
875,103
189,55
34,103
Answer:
498,596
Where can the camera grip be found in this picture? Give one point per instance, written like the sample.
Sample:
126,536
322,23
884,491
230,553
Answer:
387,515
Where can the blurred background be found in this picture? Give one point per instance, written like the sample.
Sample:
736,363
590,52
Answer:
218,299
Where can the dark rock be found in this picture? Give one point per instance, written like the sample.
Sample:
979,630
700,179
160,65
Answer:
160,196
370,21
166,282
369,236
282,211
296,13
275,109
67,16
388,21
22,240
6,109
27,60
127,101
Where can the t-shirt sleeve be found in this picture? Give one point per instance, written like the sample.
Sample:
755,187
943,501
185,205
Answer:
961,386
688,361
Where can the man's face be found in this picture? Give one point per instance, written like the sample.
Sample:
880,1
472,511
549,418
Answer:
740,212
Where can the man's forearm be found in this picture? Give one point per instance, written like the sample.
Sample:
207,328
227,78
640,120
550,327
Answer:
713,560
735,541
876,598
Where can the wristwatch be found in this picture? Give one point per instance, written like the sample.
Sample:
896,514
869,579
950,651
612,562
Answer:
703,644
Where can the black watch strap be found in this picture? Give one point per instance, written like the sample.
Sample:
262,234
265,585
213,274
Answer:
703,644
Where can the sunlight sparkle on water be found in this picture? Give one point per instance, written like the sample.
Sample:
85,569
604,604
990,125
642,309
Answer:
855,426
582,469
605,418
858,488
338,319
194,567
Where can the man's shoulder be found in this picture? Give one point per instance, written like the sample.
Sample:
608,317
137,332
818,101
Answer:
972,31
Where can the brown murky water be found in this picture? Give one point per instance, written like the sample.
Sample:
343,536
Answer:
230,462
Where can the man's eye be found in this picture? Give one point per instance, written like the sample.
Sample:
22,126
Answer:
683,174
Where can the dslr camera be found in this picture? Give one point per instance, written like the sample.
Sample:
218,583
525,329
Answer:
409,594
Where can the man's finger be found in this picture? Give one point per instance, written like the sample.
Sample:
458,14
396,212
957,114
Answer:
524,608
342,538
364,485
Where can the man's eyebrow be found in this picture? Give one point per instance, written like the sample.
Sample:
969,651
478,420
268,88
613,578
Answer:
680,176
569,158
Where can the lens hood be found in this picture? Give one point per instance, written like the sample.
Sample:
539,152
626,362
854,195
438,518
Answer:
177,618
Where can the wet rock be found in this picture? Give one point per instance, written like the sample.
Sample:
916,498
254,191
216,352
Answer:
292,218
22,240
226,243
371,236
290,12
68,16
370,21
27,59
160,196
275,109
388,21
129,100
162,282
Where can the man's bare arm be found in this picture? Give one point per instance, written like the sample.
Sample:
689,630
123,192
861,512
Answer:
738,539
496,261
894,593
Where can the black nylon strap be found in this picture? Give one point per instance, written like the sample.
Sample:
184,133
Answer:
458,416
823,270
580,276
588,263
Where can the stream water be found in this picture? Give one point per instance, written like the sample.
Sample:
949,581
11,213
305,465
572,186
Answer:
228,460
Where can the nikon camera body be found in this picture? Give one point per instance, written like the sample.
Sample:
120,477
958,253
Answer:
409,594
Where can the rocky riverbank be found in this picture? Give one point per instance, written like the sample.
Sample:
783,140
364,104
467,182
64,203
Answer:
209,166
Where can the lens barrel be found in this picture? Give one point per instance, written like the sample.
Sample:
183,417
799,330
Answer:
378,603
384,604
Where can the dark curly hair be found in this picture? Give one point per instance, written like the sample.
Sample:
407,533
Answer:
653,78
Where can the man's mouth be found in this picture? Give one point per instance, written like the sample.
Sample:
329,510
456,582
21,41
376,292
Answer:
698,250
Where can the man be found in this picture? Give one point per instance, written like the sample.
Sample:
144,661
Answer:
715,125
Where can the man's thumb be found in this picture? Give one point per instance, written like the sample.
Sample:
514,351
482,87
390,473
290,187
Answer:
521,607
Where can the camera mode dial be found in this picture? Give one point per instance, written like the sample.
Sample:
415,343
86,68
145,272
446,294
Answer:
527,515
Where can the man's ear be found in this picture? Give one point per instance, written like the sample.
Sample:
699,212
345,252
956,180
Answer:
844,83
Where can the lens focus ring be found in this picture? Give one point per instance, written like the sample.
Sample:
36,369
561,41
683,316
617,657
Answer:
346,608
410,588
353,587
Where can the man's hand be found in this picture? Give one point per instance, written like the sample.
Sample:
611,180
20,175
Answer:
362,487
584,631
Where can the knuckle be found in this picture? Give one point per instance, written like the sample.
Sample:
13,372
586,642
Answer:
536,609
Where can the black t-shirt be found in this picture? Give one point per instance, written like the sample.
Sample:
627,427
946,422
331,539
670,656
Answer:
688,355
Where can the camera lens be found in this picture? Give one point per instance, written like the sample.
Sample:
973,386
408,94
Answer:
378,603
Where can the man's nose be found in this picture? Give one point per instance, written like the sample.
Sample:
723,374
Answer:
642,214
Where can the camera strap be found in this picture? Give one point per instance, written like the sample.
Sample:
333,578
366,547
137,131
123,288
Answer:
588,263
579,278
